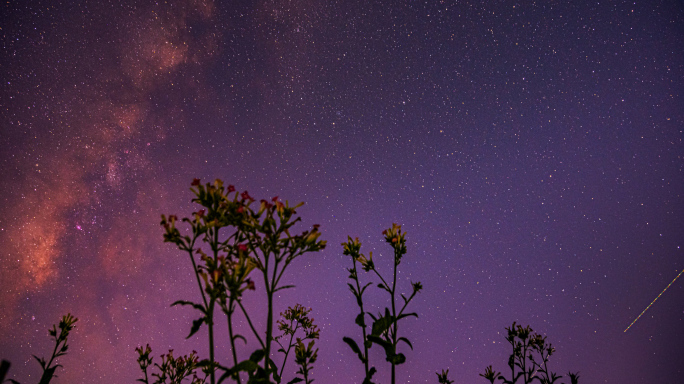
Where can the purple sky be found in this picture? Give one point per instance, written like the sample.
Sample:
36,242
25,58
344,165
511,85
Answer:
531,151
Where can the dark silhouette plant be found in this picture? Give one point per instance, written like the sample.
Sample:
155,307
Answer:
66,325
528,360
295,319
304,357
240,239
384,330
352,248
443,378
172,369
4,368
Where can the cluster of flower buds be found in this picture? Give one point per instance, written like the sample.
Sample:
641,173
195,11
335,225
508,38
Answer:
395,237
296,317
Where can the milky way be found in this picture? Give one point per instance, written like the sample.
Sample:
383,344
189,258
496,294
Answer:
531,151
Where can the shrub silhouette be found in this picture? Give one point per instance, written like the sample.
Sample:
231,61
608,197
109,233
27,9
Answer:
528,360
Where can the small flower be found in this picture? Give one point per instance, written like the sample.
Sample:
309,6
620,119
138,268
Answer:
245,196
195,182
366,263
231,188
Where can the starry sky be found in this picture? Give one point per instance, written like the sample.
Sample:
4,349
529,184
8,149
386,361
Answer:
531,150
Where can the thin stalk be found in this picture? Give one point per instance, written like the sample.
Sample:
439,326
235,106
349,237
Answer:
406,303
210,310
358,289
282,368
210,323
380,276
282,270
306,374
512,357
229,315
269,330
249,321
269,327
269,319
54,352
194,267
394,314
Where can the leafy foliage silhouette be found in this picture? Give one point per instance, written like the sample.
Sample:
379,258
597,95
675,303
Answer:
528,360
172,370
293,320
384,331
241,239
66,325
442,377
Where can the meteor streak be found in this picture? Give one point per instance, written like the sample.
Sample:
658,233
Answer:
654,300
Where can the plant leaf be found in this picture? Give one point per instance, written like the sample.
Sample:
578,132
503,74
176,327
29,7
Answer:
284,287
364,287
371,372
407,315
360,320
382,324
389,348
352,344
41,361
405,340
190,303
257,355
196,324
397,359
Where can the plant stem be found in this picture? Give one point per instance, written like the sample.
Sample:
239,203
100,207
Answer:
210,310
282,368
394,314
210,323
231,309
269,330
249,321
358,289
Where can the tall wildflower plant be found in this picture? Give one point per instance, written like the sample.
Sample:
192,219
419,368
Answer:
353,248
240,237
385,328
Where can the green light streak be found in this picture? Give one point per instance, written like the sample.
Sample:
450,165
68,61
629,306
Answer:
654,300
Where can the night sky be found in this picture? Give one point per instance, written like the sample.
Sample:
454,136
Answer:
532,152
